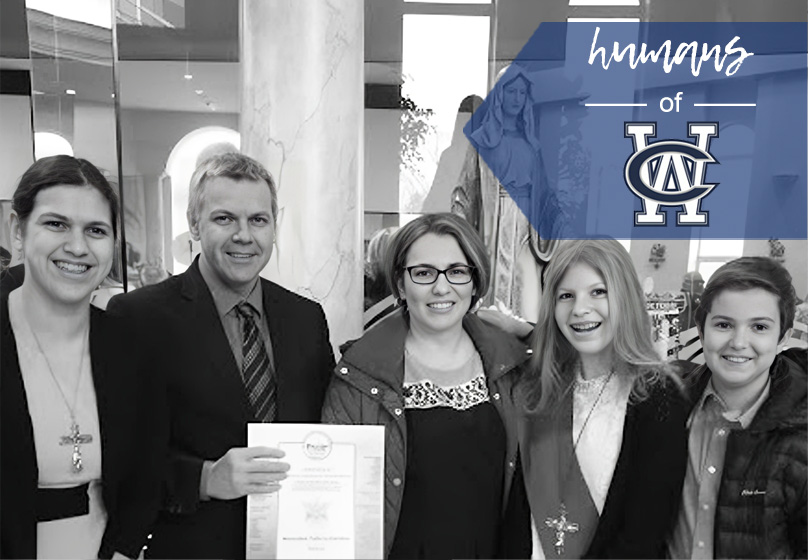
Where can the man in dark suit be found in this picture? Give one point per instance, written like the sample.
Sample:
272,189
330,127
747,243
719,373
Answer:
230,348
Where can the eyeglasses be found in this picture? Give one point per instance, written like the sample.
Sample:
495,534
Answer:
460,274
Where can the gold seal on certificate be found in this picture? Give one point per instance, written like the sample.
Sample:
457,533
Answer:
331,504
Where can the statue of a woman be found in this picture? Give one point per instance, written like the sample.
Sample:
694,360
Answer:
508,197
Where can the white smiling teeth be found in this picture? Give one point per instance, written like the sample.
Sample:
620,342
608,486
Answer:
72,268
237,256
584,326
736,359
441,305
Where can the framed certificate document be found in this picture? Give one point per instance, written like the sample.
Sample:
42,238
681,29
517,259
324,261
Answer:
331,505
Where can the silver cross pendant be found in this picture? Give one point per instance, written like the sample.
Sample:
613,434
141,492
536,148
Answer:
76,439
561,527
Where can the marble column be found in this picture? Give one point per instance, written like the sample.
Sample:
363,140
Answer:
302,117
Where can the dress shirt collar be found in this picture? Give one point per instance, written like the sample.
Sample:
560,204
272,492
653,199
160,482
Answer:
745,419
226,298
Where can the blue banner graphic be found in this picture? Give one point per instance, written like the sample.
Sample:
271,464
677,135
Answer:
654,130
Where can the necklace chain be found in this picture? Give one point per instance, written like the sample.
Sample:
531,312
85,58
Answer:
70,409
591,410
76,438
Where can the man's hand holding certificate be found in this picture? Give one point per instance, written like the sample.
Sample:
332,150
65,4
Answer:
331,503
246,470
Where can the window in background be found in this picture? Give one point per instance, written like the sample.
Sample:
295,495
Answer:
606,10
450,1
94,12
50,144
588,11
605,3
737,145
596,19
445,59
191,150
707,255
152,13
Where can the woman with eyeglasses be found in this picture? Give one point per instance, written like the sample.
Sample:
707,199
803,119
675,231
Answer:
439,380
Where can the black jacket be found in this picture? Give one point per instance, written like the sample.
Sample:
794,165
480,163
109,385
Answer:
646,488
761,511
367,388
201,403
130,468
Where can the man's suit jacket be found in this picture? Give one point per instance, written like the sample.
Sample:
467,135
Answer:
176,330
130,484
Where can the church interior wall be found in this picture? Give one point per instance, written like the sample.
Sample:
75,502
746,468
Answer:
148,136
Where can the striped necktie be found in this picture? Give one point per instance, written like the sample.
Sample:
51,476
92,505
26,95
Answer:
256,369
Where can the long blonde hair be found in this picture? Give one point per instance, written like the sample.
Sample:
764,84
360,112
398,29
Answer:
551,373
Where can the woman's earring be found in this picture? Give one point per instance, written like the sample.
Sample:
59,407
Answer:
476,306
401,301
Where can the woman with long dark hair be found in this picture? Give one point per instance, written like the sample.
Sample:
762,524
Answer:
77,478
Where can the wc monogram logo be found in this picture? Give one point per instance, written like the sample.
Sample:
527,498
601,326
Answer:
670,173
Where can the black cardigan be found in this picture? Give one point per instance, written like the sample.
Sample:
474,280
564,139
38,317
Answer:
130,470
646,487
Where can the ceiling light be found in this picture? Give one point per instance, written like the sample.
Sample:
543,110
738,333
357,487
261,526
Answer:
188,76
70,92
199,91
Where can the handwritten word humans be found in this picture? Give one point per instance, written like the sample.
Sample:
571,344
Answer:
682,52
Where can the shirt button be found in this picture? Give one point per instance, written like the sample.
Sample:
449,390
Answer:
722,432
396,482
496,396
529,350
511,464
343,370
711,469
705,507
374,391
701,544
397,411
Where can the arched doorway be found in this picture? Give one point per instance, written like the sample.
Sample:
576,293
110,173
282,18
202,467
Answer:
180,166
